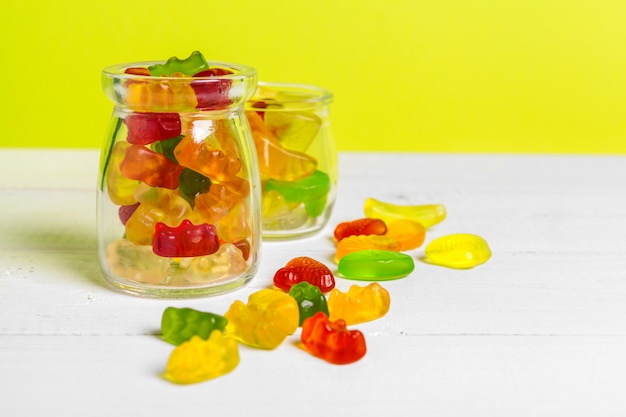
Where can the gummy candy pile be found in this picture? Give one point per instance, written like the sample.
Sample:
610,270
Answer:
368,249
177,178
207,343
296,183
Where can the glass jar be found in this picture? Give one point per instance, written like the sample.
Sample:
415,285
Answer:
297,157
179,196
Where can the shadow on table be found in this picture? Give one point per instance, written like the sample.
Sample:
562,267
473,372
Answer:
72,251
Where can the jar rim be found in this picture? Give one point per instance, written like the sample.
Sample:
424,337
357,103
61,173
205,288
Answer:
308,94
239,71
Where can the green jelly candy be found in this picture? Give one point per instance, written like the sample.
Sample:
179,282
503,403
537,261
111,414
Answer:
192,183
375,265
167,146
179,324
310,300
190,66
312,187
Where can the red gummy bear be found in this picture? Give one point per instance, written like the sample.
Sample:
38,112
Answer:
365,226
212,94
306,269
145,128
186,240
331,340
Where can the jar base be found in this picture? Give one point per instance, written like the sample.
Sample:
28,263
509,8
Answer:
146,290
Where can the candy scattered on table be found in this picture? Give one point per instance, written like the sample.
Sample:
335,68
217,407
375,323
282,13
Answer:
359,304
310,300
332,340
364,226
179,324
427,214
265,321
460,250
304,269
375,265
198,360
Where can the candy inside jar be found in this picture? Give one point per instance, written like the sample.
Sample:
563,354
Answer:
292,133
179,204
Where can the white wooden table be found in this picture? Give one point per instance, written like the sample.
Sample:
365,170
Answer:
539,330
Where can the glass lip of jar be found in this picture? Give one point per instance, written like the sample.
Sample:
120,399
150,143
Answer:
316,96
240,72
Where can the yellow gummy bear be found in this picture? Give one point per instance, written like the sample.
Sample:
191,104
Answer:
198,360
268,318
359,304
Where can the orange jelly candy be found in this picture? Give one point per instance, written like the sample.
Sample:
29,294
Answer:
364,242
409,233
276,161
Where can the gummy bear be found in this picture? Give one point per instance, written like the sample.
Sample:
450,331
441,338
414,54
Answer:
294,129
228,261
148,95
174,65
364,226
459,250
276,161
359,304
428,214
310,300
409,234
120,188
206,159
157,205
265,321
179,324
198,360
146,128
311,190
375,265
152,168
305,269
192,183
331,340
364,242
213,94
185,240
137,262
221,199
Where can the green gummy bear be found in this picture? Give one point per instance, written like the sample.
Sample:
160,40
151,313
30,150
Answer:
179,324
310,300
375,265
312,187
167,146
192,183
190,66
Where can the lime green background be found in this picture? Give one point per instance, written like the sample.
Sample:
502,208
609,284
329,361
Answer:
432,75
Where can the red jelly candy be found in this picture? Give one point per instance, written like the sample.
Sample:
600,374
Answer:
145,128
125,212
185,240
331,340
305,269
365,226
212,94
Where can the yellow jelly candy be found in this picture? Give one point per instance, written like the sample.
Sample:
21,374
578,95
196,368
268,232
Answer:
459,250
198,360
426,214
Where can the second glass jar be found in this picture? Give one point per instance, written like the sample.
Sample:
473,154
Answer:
297,157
